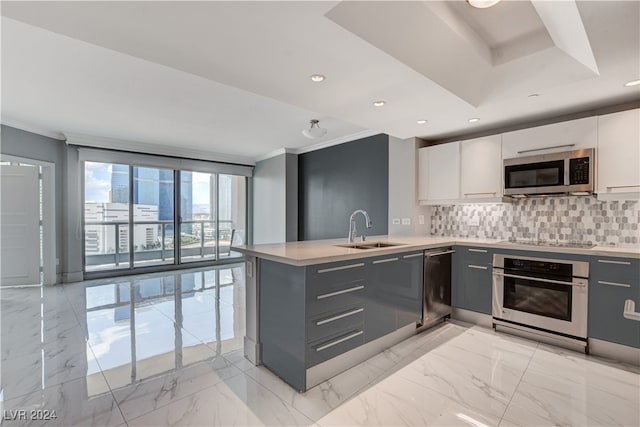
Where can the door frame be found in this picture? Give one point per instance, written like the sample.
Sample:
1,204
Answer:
49,255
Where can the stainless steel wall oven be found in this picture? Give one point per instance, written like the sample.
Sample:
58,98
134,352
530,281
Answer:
545,297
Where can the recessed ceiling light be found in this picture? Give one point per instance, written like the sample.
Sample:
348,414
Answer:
379,103
421,122
632,83
317,78
483,4
534,95
474,120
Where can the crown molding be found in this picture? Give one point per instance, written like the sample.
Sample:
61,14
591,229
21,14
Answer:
17,124
157,149
276,153
318,146
338,141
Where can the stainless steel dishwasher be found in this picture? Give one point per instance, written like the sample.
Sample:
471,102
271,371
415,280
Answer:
436,302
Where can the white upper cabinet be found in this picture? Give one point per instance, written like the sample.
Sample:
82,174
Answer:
481,169
618,155
553,138
439,173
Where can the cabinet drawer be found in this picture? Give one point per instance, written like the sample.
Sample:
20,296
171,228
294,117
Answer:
325,349
335,297
323,275
606,320
328,324
616,272
475,255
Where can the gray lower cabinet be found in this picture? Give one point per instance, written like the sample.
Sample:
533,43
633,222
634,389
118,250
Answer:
471,278
611,282
308,315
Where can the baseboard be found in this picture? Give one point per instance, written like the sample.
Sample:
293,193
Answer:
611,350
473,317
251,351
76,276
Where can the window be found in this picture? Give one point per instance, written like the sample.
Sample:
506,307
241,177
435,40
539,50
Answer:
137,216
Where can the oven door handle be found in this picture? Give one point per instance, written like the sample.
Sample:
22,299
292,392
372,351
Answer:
537,279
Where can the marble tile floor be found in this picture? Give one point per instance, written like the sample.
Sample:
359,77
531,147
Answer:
166,349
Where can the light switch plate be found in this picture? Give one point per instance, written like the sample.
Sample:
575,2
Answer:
406,221
249,268
395,221
421,219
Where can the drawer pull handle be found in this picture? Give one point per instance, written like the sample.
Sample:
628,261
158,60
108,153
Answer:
545,148
338,341
382,261
607,261
432,254
622,285
339,316
609,187
484,251
343,291
413,255
479,267
344,267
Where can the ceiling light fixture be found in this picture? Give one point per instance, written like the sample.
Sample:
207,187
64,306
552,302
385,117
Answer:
317,78
632,83
483,4
421,122
314,131
379,103
474,120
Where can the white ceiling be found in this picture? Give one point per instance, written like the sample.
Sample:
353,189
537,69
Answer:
233,77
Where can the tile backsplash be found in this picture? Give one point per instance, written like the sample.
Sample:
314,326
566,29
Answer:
564,219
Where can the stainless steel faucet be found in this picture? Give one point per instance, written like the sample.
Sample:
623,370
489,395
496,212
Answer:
352,224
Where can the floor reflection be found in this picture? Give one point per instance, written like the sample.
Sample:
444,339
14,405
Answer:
149,325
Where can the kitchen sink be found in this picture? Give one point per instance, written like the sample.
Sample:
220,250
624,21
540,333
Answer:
372,245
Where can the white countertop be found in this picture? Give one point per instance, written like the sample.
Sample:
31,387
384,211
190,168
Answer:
323,251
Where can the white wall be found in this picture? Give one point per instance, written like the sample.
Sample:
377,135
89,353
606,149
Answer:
269,200
403,189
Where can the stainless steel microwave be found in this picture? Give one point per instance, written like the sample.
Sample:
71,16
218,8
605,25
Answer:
569,172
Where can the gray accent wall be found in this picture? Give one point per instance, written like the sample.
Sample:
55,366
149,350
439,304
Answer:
335,181
19,143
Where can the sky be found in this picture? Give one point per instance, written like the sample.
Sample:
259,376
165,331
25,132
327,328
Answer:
98,183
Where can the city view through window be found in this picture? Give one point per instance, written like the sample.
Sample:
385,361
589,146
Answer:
135,225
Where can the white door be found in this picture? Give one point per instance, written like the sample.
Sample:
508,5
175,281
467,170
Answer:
19,226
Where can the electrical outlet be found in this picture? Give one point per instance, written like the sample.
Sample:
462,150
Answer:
395,221
406,221
474,221
421,219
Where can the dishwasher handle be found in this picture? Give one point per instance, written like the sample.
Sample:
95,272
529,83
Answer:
432,254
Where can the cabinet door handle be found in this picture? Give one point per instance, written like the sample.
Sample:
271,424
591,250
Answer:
609,187
343,291
479,267
622,285
481,193
546,148
608,261
343,267
339,316
484,251
413,255
338,341
381,261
